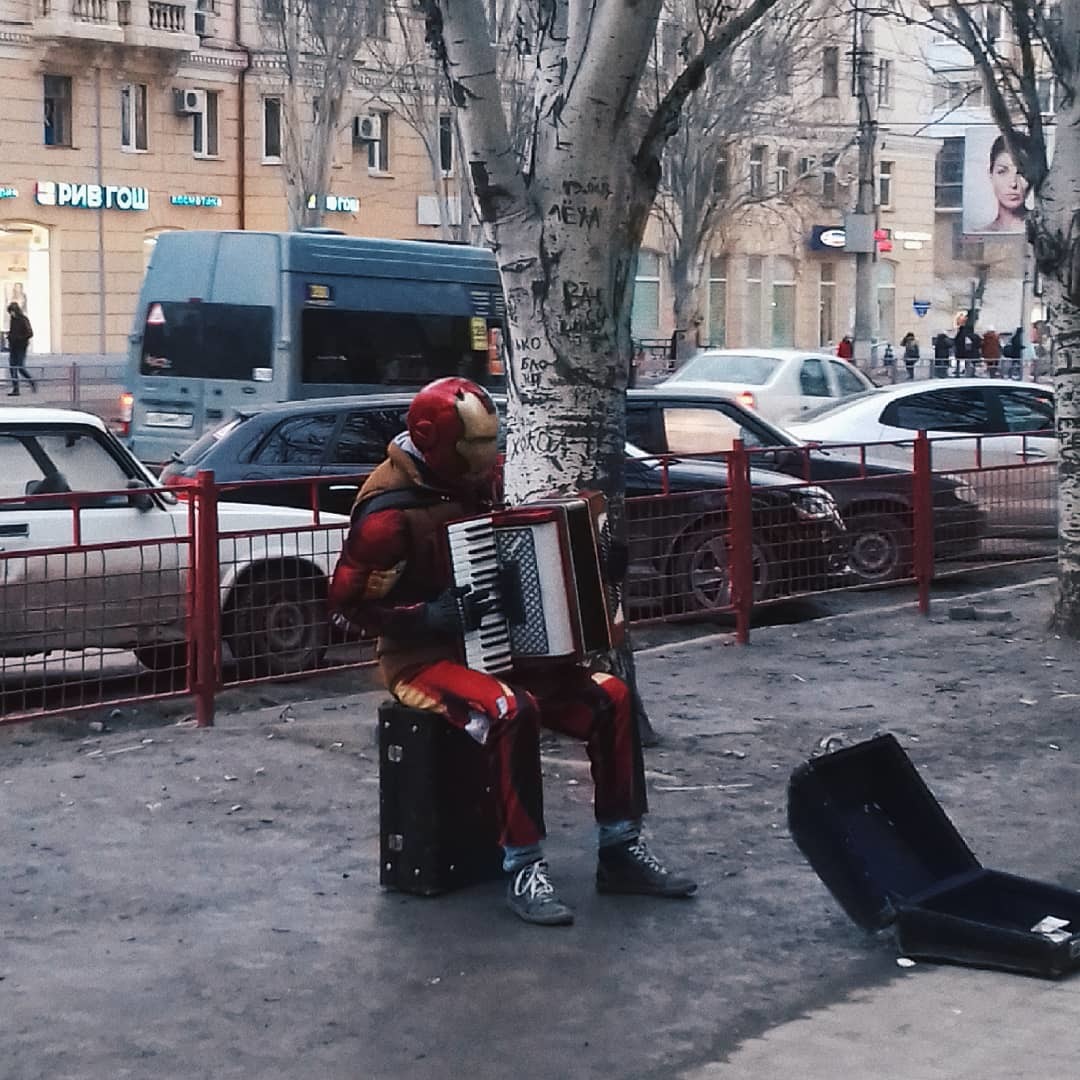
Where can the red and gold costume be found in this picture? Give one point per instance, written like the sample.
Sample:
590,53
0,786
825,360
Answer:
393,579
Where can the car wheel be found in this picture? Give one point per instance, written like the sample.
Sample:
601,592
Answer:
278,627
164,656
880,547
701,580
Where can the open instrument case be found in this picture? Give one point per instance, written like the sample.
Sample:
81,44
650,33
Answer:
885,848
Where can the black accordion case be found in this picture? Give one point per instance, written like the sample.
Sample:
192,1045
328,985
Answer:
437,825
889,854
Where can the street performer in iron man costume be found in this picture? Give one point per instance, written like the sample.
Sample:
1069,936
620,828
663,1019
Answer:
393,579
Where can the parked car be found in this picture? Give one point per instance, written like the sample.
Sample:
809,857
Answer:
875,501
1019,415
779,383
678,546
106,555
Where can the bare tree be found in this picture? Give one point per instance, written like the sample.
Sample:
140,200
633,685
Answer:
318,41
710,176
566,216
1042,40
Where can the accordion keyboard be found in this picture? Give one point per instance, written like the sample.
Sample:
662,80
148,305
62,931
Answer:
475,562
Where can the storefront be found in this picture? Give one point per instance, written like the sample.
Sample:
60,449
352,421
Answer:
25,277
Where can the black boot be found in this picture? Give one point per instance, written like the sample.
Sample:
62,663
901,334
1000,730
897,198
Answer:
632,868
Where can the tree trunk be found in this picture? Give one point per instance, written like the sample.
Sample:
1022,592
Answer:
687,308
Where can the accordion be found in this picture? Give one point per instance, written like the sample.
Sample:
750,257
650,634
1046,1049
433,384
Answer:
544,563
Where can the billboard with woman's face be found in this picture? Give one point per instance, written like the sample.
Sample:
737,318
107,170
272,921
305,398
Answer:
996,194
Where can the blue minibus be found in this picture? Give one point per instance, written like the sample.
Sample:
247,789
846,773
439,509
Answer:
229,319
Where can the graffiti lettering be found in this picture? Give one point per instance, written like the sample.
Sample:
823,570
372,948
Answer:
576,215
579,294
593,186
523,344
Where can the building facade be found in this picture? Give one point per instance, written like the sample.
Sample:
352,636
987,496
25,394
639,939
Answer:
127,118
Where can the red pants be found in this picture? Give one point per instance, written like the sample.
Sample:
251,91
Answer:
594,708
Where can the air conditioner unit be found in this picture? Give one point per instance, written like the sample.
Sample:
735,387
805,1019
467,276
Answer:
189,102
204,23
367,128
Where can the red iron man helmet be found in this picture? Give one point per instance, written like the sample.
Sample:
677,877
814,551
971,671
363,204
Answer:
454,424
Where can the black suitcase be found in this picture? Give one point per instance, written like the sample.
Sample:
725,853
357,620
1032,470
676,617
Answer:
437,826
880,841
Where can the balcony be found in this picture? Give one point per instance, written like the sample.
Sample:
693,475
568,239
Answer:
165,25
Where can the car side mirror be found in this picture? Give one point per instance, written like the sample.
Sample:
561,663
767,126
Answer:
139,498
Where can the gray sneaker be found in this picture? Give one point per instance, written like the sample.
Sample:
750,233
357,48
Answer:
531,896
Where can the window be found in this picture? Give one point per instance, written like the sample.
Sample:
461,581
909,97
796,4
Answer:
885,184
204,133
378,150
886,300
273,9
813,382
365,435
721,178
702,431
783,301
885,82
375,16
727,368
830,72
846,380
828,180
782,71
133,116
783,171
755,267
446,144
1047,89
757,169
492,9
949,175
300,440
50,463
826,303
939,410
208,341
272,129
1027,410
57,103
645,309
717,301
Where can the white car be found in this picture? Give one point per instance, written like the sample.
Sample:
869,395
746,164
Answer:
1019,415
780,384
108,568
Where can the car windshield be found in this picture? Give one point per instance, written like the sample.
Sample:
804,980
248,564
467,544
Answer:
728,368
831,407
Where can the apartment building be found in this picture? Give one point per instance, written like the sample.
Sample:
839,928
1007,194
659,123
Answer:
127,118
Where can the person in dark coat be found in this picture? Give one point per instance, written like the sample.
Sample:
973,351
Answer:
911,354
942,352
19,334
990,348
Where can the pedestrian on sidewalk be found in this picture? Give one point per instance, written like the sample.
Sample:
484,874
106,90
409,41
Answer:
911,354
392,579
991,351
19,334
942,353
845,349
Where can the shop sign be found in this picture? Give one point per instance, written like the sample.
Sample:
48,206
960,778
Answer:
195,200
342,204
827,238
9,192
91,196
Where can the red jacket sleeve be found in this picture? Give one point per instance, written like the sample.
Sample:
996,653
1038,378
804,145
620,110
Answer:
372,562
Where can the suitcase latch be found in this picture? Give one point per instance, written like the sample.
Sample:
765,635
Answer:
395,842
395,752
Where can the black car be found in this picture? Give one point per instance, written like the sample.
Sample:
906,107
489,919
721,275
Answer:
677,528
875,501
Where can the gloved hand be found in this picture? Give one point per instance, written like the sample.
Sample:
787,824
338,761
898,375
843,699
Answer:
458,610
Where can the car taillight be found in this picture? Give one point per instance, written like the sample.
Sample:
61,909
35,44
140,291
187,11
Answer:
127,405
746,397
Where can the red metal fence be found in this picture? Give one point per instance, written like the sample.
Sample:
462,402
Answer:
103,604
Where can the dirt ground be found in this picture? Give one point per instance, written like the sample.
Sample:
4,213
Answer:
185,903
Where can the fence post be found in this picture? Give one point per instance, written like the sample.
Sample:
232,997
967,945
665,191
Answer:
204,646
74,381
741,539
922,520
